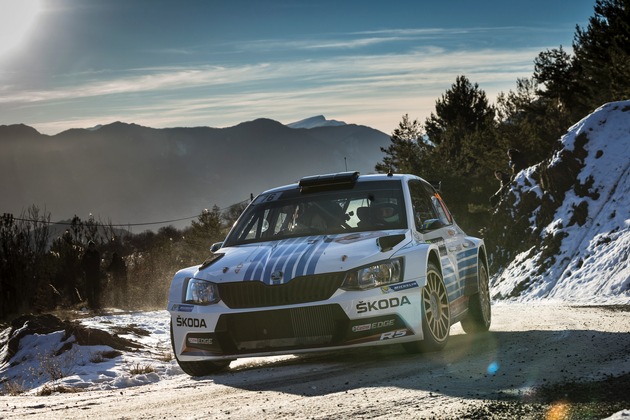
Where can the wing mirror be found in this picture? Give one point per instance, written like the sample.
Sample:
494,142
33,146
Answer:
431,224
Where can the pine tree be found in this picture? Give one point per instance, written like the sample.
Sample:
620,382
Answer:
602,51
203,232
461,111
559,73
407,146
463,159
529,122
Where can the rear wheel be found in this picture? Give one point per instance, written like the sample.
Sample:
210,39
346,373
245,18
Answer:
479,312
436,314
199,368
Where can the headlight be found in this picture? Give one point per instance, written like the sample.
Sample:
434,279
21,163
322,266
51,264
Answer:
376,275
201,292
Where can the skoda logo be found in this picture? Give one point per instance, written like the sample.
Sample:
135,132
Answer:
277,275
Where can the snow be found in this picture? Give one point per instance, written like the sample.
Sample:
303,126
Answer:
592,265
85,367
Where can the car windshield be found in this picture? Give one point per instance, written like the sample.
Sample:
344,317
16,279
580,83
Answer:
287,214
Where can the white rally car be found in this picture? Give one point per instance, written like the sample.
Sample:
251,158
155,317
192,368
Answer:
332,262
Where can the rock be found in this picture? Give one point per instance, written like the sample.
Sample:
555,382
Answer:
46,324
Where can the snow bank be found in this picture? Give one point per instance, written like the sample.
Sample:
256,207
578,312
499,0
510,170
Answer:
39,363
591,227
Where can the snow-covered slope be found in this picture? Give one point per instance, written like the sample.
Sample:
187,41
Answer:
582,252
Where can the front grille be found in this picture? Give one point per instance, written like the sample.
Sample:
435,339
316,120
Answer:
256,294
293,328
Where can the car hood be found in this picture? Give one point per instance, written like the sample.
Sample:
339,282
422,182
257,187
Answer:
277,262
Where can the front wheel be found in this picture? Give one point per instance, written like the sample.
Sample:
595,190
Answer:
436,314
199,368
479,312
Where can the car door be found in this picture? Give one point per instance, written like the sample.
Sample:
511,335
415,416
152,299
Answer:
435,223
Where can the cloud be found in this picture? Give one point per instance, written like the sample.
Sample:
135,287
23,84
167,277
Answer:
377,70
462,37
370,89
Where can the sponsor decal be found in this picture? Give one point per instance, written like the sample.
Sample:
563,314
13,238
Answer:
374,325
181,321
399,287
379,305
267,198
200,343
182,308
393,334
199,340
402,332
359,328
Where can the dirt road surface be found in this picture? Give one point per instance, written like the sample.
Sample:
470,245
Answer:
537,361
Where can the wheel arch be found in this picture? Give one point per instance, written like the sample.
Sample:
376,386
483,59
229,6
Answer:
417,260
434,258
472,283
482,257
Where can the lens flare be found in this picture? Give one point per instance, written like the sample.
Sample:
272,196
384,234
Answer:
16,19
493,368
558,411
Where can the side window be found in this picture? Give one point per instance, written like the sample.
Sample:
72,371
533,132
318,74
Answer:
423,209
258,226
442,211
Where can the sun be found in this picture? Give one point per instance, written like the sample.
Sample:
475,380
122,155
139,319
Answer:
16,19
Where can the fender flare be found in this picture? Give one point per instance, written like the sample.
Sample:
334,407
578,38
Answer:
417,261
472,284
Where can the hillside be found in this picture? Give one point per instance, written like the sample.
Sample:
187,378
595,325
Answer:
126,173
571,215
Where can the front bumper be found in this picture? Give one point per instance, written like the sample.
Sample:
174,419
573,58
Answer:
347,318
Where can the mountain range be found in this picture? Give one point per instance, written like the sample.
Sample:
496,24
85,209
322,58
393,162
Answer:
129,174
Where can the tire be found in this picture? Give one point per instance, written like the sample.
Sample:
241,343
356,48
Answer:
479,310
436,314
201,368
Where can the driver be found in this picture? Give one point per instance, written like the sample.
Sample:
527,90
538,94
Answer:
323,216
385,213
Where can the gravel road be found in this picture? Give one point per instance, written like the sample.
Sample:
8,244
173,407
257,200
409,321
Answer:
537,361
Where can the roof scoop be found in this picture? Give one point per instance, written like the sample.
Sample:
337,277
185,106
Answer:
328,182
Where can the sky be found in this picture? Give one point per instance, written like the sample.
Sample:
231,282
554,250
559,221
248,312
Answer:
80,63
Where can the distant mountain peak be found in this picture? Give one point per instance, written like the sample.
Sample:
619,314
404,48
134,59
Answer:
316,121
135,174
114,124
17,130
